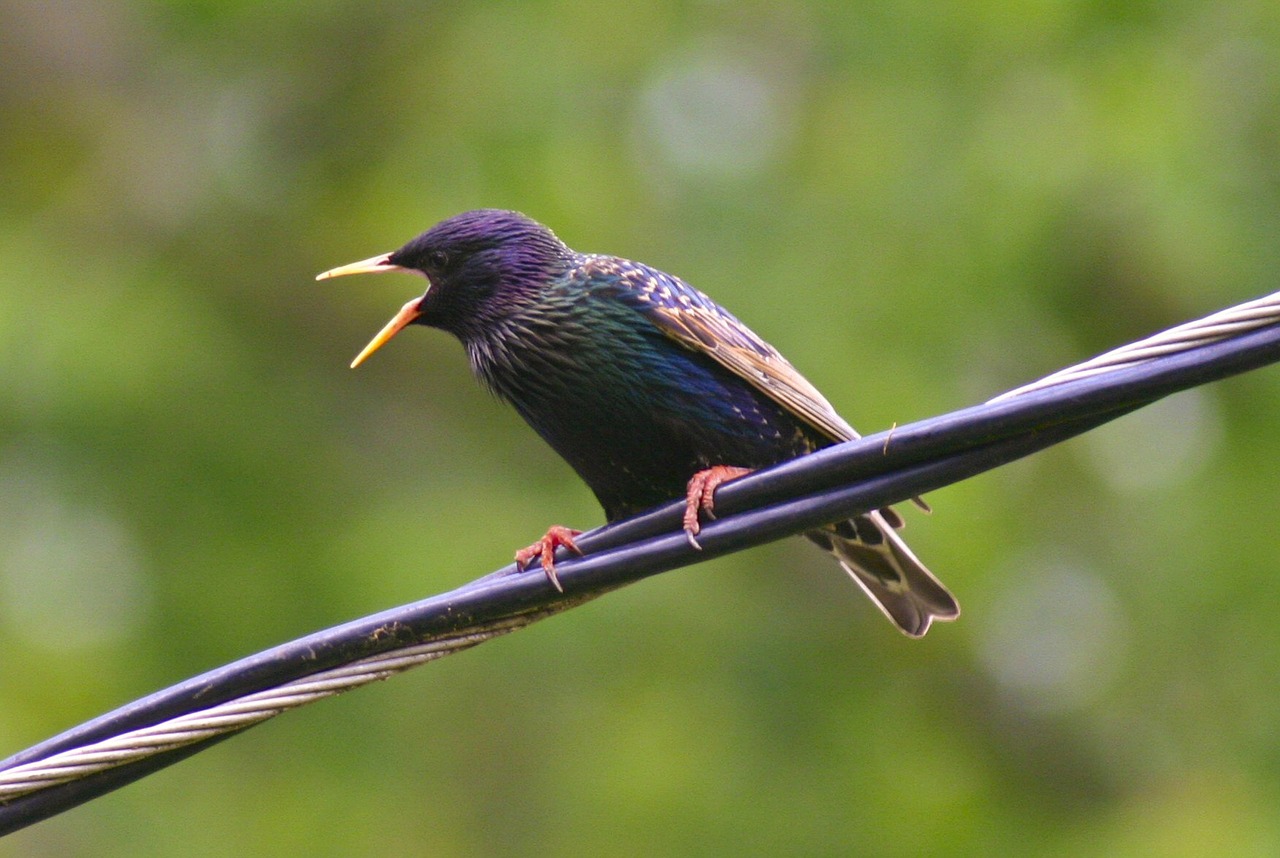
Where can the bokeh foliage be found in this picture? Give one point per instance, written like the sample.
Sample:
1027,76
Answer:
921,204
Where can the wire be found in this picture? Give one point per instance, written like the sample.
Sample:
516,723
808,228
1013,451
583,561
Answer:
826,486
1239,319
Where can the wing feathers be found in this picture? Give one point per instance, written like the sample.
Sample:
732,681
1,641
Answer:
728,342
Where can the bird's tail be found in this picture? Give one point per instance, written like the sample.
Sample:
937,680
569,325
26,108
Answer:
886,570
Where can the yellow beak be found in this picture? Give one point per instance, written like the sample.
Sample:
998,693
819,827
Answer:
373,265
409,312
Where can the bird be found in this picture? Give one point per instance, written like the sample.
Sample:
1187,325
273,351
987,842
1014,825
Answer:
648,388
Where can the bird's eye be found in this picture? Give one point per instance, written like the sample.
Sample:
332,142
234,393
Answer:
437,259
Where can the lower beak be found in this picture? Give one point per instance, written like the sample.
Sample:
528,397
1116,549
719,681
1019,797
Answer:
400,320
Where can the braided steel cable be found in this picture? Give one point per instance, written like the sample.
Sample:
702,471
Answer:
810,491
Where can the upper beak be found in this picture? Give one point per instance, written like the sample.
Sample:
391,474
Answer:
407,314
373,265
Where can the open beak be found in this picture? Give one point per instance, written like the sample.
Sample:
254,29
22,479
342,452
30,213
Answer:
409,312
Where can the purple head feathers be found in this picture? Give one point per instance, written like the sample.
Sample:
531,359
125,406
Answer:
478,262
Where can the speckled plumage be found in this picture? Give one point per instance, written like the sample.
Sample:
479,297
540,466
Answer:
637,380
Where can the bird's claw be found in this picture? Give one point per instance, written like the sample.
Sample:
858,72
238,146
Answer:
545,550
700,497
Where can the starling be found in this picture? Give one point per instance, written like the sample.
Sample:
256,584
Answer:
644,385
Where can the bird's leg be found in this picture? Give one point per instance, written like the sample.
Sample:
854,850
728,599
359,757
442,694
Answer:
701,496
545,548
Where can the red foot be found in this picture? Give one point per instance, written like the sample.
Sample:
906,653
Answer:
701,496
545,548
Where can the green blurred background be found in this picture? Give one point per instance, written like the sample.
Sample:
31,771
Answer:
921,204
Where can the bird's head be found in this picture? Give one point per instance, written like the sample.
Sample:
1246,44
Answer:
478,265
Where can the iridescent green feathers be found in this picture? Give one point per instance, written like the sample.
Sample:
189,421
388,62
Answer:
696,322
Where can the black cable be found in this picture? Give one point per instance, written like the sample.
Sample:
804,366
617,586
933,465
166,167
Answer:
813,490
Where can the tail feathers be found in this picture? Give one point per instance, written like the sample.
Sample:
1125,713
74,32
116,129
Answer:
886,570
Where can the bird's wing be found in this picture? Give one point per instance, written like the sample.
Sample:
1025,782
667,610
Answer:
695,321
728,342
